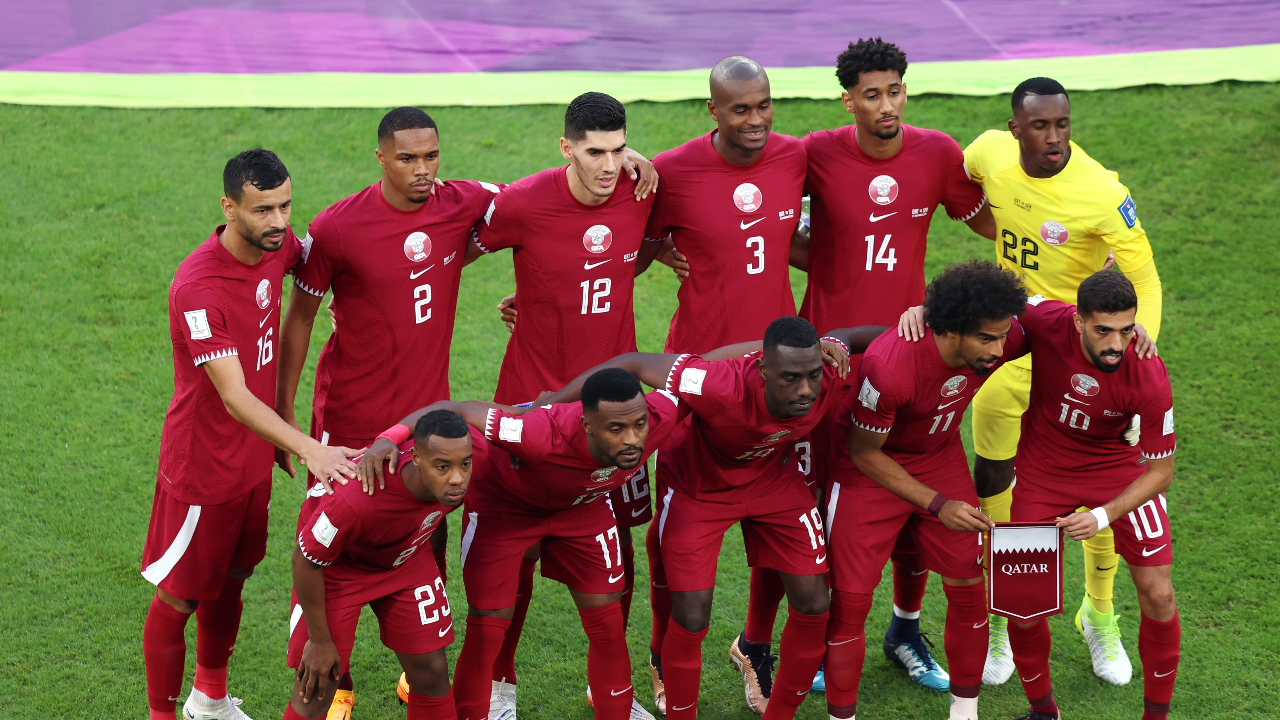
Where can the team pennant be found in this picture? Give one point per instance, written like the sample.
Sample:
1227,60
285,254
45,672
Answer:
1024,570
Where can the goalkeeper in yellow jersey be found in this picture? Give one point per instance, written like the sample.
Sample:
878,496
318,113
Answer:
1059,214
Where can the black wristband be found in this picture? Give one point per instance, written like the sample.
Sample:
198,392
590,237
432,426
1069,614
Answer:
935,505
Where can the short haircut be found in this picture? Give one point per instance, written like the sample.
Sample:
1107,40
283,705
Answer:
609,385
258,167
404,118
965,294
1036,86
440,423
868,55
593,111
1106,291
790,331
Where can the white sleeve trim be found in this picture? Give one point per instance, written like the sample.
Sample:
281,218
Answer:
839,342
489,415
973,212
302,546
664,238
225,352
307,288
671,376
1159,456
872,428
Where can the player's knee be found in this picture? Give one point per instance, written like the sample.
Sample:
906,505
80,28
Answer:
186,607
1157,600
427,674
811,603
992,477
317,708
240,573
693,611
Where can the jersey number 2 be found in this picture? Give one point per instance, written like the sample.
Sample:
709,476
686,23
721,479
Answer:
422,298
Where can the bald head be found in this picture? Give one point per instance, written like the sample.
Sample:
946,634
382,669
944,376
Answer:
735,68
742,108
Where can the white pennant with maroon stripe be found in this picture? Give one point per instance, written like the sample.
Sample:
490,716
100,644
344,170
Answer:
1024,570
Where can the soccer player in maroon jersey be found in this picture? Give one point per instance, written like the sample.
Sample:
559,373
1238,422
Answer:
547,481
576,237
209,515
874,187
733,463
355,549
730,203
1086,387
906,469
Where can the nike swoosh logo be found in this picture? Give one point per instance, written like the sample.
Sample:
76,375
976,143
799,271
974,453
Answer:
588,266
1068,396
820,560
980,625
445,630
878,218
416,275
686,707
613,579
1029,679
616,693
843,642
801,692
1160,675
1149,553
638,512
744,224
265,319
1113,567
173,699
919,573
953,402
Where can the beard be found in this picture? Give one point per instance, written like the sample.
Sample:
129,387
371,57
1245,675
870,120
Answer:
1104,367
888,134
269,240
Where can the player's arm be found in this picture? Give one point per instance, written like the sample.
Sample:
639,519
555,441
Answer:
320,660
652,250
295,340
1154,480
651,369
1146,284
984,223
856,339
866,449
384,448
799,258
325,462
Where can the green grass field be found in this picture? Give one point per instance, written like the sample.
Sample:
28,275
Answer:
98,207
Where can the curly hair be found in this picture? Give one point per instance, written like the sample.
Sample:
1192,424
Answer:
964,295
868,55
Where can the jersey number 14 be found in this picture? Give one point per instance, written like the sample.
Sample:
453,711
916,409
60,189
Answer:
885,256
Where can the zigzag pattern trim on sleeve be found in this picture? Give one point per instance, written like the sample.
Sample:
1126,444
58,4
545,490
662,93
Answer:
225,352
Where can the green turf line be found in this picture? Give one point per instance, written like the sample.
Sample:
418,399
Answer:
1257,63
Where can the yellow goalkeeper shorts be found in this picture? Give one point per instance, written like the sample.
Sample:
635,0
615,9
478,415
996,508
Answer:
998,409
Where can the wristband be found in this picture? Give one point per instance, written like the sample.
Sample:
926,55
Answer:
935,505
396,434
1103,520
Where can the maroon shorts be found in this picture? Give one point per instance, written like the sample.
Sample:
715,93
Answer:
865,526
632,501
580,548
414,620
781,529
190,548
1143,537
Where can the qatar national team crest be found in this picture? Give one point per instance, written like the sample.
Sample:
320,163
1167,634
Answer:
597,239
1085,385
603,474
883,190
748,197
1054,232
263,295
954,386
417,246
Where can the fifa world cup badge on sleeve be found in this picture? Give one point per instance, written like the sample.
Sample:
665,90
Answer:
1024,570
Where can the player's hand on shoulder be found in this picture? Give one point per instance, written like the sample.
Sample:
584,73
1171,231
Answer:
329,464
911,324
319,665
960,515
1079,525
507,310
833,354
636,164
1143,345
370,466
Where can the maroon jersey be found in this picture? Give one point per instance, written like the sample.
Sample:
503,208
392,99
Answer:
395,276
370,544
575,270
905,389
735,224
546,467
219,306
1073,429
732,440
870,222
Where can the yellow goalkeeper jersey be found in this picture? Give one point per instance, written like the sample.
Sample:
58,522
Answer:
1057,231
